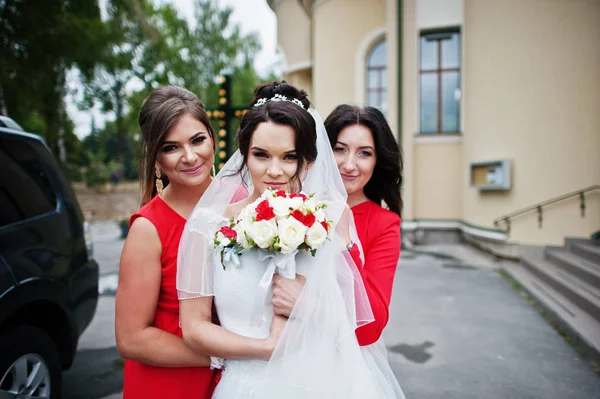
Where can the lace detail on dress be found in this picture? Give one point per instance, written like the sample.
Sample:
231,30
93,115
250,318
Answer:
206,222
248,374
210,215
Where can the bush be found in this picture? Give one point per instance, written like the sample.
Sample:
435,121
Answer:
75,173
96,175
124,226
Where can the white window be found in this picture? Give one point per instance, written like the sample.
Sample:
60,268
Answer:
377,76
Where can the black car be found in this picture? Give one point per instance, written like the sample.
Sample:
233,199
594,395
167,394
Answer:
48,279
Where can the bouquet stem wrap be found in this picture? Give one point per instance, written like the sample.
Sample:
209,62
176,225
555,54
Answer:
282,264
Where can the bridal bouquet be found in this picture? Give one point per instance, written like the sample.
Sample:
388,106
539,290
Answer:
279,223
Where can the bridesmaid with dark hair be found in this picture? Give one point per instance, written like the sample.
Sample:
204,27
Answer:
370,163
177,156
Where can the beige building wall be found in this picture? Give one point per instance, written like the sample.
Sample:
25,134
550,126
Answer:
436,161
439,13
531,82
335,49
302,80
293,34
409,104
437,185
391,30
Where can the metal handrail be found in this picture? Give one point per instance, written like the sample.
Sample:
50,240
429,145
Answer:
538,207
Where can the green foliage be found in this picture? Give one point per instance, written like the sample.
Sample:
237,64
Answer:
140,46
41,40
96,174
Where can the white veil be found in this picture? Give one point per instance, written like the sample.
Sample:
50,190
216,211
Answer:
317,354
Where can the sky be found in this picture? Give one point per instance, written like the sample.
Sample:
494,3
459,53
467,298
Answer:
252,16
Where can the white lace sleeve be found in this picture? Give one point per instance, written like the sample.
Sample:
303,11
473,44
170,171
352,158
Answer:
195,265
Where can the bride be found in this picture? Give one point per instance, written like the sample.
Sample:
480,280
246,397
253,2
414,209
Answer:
313,354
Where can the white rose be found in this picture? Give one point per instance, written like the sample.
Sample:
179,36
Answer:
268,194
247,215
295,203
310,205
263,233
291,234
320,215
281,207
316,235
224,241
240,229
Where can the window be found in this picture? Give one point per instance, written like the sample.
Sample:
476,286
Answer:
25,190
377,77
440,82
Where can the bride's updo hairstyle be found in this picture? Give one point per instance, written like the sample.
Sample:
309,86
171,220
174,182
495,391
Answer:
282,104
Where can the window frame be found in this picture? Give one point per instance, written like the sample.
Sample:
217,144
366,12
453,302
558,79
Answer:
380,90
439,71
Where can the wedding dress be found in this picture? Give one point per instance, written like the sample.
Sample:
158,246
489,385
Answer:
318,355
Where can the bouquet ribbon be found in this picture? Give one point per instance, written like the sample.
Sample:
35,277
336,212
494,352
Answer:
230,257
285,266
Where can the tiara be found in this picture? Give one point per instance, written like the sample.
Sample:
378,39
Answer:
278,98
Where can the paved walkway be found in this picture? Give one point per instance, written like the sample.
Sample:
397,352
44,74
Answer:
456,330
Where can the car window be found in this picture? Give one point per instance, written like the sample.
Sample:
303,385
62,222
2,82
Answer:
25,190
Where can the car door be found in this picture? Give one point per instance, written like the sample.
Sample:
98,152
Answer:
35,238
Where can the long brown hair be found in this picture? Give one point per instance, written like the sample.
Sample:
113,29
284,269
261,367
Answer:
386,182
163,108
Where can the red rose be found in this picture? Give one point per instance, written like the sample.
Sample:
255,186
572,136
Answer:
309,220
228,232
280,193
325,225
296,195
264,211
298,215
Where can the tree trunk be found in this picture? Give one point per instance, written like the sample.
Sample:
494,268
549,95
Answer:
60,111
53,103
119,110
3,110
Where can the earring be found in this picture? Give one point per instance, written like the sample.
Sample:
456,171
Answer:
159,183
213,171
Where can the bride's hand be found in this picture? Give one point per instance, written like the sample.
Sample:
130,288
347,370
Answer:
285,293
277,326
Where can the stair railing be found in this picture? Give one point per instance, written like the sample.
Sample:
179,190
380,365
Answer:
506,219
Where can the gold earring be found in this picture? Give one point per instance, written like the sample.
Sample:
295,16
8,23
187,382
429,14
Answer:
159,183
213,171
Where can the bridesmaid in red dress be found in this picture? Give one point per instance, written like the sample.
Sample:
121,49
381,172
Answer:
370,163
175,162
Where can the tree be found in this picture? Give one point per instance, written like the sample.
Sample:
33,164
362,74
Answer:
39,41
129,35
153,46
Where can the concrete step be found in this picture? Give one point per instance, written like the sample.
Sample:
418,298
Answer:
571,318
588,251
575,264
571,241
580,292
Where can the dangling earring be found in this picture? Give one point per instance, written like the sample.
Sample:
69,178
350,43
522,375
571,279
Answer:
213,171
159,183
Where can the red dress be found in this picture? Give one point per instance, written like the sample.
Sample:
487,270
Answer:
379,233
148,382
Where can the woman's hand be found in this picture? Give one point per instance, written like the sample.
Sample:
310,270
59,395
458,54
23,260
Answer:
343,226
285,293
277,326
